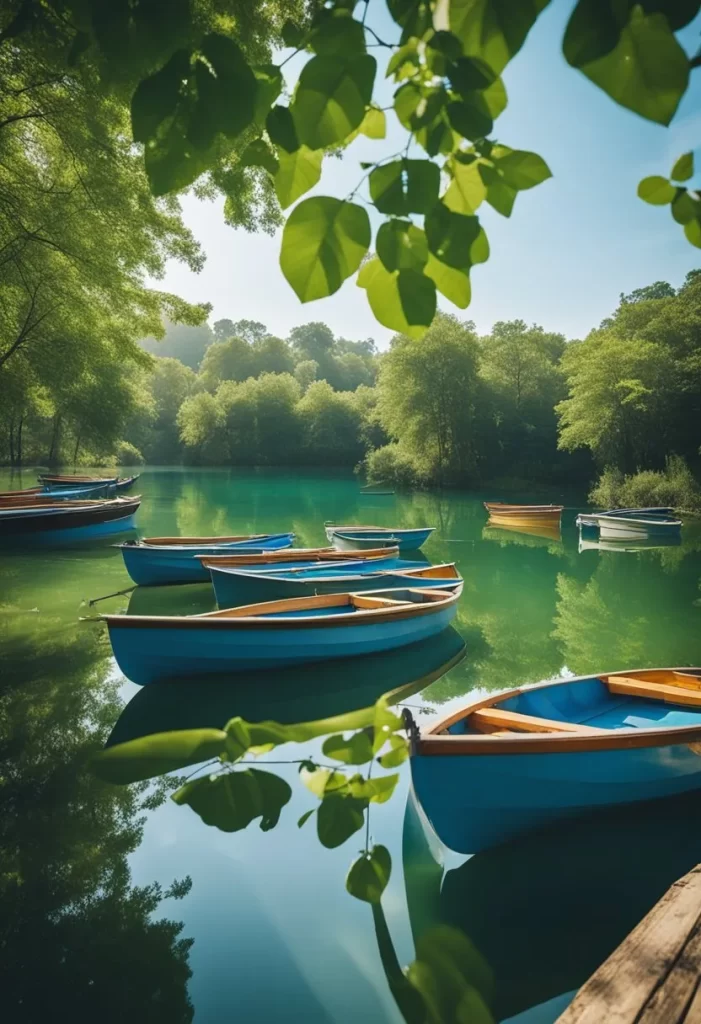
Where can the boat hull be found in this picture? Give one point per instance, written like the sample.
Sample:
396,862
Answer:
355,540
474,803
149,653
236,588
613,528
153,566
47,525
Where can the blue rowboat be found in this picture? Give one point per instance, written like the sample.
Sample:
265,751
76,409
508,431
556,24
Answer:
300,693
233,586
527,758
50,481
357,537
276,633
157,560
125,482
69,522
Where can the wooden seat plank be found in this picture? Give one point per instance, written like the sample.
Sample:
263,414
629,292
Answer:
654,691
492,719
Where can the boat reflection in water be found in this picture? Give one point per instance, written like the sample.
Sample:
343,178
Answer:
172,600
587,544
299,694
547,909
528,534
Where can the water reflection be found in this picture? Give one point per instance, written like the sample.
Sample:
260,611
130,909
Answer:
76,933
548,536
298,694
546,910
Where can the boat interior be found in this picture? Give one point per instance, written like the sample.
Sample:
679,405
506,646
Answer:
638,699
181,541
322,556
332,604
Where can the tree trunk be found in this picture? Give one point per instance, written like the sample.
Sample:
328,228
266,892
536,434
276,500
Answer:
55,437
12,443
75,451
19,440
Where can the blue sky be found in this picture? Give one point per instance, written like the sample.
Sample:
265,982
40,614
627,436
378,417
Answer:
571,245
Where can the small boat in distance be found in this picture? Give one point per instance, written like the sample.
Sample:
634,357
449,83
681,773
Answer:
509,763
235,587
57,481
631,523
501,513
276,633
157,560
355,538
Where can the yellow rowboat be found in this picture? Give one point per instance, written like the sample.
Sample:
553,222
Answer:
523,515
505,531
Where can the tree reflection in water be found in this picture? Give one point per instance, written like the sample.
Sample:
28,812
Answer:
76,937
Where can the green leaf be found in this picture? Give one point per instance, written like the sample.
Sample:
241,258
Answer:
656,190
377,790
292,35
269,79
338,817
455,285
470,74
647,71
692,230
470,117
383,295
467,189
415,16
405,186
374,124
417,295
331,98
594,29
385,722
297,173
226,92
447,44
238,739
323,243
259,154
405,61
305,817
171,161
323,781
521,169
232,801
494,30
451,235
274,733
158,754
495,98
357,749
399,747
436,138
458,967
684,208
683,168
337,33
369,875
401,246
418,107
479,251
501,197
281,128
156,97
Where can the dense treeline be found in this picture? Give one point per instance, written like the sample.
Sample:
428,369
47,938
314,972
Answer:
453,408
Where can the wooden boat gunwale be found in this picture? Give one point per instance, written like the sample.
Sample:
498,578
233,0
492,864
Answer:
391,610
282,555
281,573
434,741
502,506
617,518
183,542
332,528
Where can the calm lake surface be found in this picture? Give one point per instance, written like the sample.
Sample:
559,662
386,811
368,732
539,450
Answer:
266,931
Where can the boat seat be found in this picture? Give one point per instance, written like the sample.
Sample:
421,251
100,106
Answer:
495,719
684,690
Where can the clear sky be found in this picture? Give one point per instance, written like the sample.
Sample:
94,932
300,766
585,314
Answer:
570,246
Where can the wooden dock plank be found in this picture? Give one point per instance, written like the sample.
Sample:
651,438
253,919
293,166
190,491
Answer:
669,1003
625,983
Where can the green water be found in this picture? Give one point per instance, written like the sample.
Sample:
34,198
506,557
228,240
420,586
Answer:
267,931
